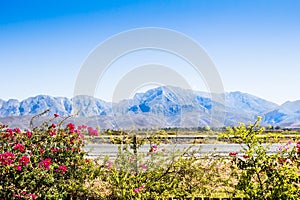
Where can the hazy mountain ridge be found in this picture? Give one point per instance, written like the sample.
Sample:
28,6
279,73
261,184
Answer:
159,107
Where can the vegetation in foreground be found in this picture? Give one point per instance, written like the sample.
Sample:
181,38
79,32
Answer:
48,162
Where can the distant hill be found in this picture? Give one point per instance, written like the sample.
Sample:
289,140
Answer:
159,107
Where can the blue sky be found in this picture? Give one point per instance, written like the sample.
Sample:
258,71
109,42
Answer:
255,44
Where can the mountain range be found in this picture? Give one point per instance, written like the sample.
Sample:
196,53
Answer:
164,106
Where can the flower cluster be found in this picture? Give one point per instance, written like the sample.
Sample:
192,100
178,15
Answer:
24,160
23,195
137,190
71,127
7,158
233,154
62,169
19,147
35,162
45,163
90,131
153,149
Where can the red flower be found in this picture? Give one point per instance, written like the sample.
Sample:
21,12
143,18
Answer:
42,151
54,149
19,147
7,158
28,134
298,147
9,133
45,163
71,127
18,168
136,190
62,169
24,160
153,149
245,156
92,132
56,115
52,133
17,130
233,154
33,196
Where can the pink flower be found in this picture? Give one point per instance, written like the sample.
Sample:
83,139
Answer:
142,187
7,158
56,115
108,164
81,135
153,149
298,147
71,127
84,126
28,134
233,154
9,133
18,168
163,150
92,132
54,149
52,133
136,190
45,163
143,166
19,147
24,192
131,159
17,130
62,169
24,160
17,196
33,196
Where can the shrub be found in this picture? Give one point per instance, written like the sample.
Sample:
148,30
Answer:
159,173
259,173
47,162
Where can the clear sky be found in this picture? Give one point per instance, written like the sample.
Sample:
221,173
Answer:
255,44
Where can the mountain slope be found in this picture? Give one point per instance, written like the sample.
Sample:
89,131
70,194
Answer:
286,115
159,107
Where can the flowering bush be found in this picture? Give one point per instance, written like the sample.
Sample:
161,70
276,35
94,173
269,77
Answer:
260,174
160,173
46,162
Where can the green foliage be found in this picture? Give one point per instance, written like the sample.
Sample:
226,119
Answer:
159,173
263,175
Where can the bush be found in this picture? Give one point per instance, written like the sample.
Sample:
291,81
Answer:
260,174
47,162
160,173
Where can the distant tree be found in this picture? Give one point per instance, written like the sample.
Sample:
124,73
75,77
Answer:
270,127
207,128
